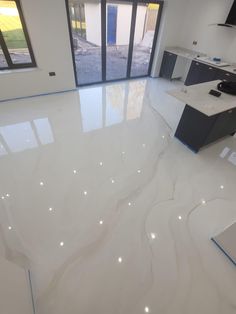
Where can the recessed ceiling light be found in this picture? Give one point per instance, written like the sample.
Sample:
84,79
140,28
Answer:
7,195
41,183
112,181
203,202
101,222
50,209
129,204
153,236
146,309
139,171
74,171
10,227
144,145
85,192
120,259
2,197
100,163
180,217
61,243
222,187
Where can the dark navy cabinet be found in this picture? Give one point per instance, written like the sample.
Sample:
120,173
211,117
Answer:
200,73
168,65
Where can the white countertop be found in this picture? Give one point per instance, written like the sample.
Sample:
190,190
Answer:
192,55
197,97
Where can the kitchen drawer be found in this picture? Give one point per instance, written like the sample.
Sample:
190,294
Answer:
224,75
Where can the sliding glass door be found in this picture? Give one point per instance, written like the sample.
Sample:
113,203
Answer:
113,40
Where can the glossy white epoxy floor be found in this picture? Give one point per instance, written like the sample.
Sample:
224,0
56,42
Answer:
111,213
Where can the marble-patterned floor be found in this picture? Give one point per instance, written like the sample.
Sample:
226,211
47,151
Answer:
112,214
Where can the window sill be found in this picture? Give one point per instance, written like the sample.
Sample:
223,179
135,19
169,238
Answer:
11,71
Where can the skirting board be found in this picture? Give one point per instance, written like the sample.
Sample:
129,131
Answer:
226,242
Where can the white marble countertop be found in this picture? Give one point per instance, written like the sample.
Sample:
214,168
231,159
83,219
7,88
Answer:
197,97
192,55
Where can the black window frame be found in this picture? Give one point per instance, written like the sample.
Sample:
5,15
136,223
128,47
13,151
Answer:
5,50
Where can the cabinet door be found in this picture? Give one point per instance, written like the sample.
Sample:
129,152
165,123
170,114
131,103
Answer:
200,73
207,73
168,64
194,73
225,76
225,124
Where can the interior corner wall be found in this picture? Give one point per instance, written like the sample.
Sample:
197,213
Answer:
48,30
213,40
169,32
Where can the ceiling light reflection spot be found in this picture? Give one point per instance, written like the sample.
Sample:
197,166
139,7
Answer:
139,171
120,260
85,193
146,309
62,243
100,163
7,195
74,171
50,209
112,181
222,187
129,204
41,183
163,136
144,145
10,228
123,153
101,222
203,202
2,197
180,217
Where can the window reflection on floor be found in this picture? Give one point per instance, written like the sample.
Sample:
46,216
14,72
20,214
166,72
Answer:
91,108
109,105
25,135
115,98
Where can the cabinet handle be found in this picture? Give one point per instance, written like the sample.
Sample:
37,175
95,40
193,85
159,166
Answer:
230,111
227,74
197,63
210,68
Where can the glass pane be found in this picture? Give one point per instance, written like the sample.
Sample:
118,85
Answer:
13,33
143,38
86,33
118,34
3,63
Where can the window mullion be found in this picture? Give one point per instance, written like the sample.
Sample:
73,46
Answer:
5,51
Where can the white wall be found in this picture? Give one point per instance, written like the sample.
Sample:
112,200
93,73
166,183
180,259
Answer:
213,40
140,23
15,295
47,25
93,22
170,30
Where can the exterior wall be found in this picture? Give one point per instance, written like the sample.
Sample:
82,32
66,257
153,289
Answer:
123,24
140,24
93,23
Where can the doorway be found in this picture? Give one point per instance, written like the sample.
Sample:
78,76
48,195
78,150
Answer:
113,40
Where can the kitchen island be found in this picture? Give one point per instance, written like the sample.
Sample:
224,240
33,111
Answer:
206,118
